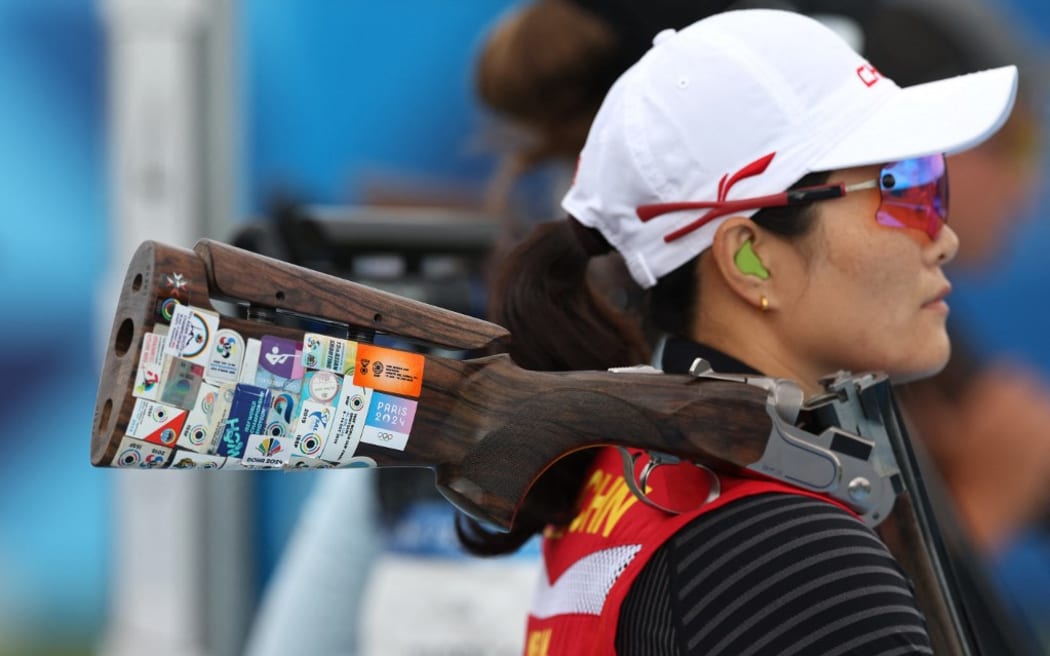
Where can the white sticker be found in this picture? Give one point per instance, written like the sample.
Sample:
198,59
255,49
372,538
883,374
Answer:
227,356
196,432
348,424
312,428
155,422
250,364
323,386
151,366
384,437
138,454
389,421
266,451
192,334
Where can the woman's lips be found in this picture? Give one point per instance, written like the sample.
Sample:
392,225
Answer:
938,302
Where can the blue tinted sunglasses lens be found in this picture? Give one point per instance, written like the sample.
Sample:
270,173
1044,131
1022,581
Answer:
915,195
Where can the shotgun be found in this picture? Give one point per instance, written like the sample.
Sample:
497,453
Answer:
304,369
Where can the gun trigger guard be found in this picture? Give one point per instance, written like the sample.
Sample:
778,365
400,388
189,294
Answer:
657,459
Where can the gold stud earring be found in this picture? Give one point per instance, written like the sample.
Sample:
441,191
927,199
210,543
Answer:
764,303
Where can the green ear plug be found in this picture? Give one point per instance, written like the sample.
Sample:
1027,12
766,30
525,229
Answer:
747,261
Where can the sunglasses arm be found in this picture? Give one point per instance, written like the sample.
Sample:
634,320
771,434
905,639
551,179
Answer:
718,209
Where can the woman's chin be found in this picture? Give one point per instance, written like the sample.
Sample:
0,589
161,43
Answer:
931,367
928,361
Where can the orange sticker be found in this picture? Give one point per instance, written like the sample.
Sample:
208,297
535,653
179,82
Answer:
387,370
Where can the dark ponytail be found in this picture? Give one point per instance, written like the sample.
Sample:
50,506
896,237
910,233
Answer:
557,323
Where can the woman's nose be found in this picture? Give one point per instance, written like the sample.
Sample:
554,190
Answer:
942,250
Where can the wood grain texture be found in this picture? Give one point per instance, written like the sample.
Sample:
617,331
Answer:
237,274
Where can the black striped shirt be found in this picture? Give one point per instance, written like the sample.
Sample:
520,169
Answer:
772,574
769,575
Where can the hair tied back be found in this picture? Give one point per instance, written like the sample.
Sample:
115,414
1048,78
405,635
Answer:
593,242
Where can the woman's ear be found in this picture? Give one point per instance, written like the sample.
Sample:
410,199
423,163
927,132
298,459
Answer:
738,254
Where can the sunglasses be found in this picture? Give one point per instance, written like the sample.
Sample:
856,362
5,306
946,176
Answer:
914,195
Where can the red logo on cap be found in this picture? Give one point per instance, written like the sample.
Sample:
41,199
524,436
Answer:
715,209
868,74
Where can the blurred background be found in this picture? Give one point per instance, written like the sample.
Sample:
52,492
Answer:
126,120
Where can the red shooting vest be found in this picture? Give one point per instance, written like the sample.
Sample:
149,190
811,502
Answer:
591,563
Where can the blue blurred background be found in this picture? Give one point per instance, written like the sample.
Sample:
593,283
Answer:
338,99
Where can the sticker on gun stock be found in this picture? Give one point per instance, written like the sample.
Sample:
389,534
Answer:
180,382
321,387
389,421
219,414
193,460
138,454
280,365
151,365
281,417
311,431
248,412
192,334
387,370
266,451
224,363
349,423
166,308
329,353
155,422
250,364
299,462
316,413
200,423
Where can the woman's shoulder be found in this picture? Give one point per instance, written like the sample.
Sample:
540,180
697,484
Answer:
775,573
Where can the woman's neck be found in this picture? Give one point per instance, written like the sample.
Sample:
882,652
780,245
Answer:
762,357
745,334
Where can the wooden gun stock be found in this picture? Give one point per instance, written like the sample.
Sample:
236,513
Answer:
241,276
487,428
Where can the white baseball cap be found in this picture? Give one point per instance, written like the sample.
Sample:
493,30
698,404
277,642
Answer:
751,85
